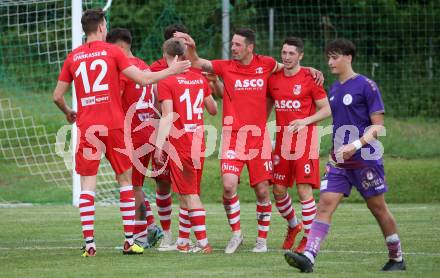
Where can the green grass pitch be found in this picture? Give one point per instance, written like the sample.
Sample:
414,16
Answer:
45,241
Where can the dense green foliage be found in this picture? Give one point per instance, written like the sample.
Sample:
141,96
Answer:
398,40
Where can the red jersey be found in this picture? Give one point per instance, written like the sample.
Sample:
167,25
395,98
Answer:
159,65
187,91
245,90
294,98
95,68
134,93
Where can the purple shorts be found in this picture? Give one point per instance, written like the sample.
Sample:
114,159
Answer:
369,181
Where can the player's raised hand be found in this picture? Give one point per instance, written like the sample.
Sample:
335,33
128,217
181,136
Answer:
318,76
177,67
187,39
71,116
297,125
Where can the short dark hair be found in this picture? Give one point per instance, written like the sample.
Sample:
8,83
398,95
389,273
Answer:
91,19
247,33
342,47
119,34
294,41
173,47
173,28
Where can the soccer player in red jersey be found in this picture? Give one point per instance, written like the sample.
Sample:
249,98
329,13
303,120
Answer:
296,156
138,103
214,82
163,180
184,97
95,68
245,140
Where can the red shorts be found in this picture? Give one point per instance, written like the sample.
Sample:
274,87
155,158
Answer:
91,146
140,164
301,171
259,165
259,169
187,178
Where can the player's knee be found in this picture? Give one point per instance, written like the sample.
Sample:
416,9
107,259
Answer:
325,208
279,191
163,187
229,187
262,191
378,210
304,192
124,178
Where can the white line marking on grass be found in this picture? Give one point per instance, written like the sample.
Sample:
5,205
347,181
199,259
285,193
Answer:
428,254
15,205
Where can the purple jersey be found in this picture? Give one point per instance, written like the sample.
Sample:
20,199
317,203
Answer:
352,104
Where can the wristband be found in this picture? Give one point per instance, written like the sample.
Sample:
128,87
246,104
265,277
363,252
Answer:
357,144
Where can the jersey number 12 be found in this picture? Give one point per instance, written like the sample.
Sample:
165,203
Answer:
97,86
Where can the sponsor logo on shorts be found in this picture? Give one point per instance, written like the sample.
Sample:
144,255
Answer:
370,179
226,167
278,176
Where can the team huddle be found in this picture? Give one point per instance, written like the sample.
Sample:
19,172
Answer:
136,114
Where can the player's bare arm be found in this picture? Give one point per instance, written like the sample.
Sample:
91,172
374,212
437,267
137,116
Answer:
316,74
215,83
165,124
191,53
278,67
155,95
269,106
323,112
210,105
147,77
58,98
347,151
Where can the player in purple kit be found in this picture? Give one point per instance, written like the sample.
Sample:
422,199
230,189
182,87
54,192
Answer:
356,157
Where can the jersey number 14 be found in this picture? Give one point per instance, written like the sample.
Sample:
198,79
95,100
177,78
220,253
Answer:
195,108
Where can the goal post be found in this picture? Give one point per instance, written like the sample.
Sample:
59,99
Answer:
76,41
77,37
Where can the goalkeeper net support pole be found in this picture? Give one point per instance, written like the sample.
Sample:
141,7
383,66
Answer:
76,41
77,36
225,29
